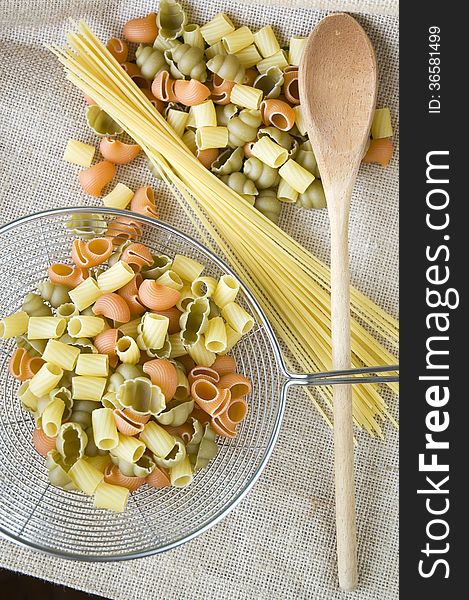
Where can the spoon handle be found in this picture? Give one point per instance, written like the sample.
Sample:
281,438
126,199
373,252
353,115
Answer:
343,423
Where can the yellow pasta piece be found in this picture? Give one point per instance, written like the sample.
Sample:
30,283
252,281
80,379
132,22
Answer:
85,475
79,153
249,56
189,139
112,497
181,473
204,287
60,354
381,126
204,114
51,417
216,29
226,290
100,461
192,36
45,380
104,429
266,41
178,120
119,197
215,336
130,328
296,176
26,397
85,326
177,347
215,50
279,59
127,350
286,193
187,268
157,439
238,39
116,277
232,338
154,330
246,96
269,152
129,448
45,328
88,388
85,294
295,50
211,137
14,325
93,365
170,279
237,317
200,355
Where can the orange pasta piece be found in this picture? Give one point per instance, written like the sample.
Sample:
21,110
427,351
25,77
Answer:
91,253
163,374
237,410
163,87
183,431
156,296
118,48
117,152
379,152
88,99
248,149
223,426
239,385
224,365
130,294
141,31
67,275
203,373
134,73
137,255
208,157
200,415
22,366
113,476
158,478
128,422
94,179
122,229
173,315
105,342
143,202
158,104
250,76
278,113
221,89
290,85
112,306
211,399
42,442
190,92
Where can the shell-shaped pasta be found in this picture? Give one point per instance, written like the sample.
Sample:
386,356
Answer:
206,373
112,306
96,178
105,342
277,113
158,478
268,204
118,48
122,229
157,297
224,365
209,397
201,453
150,60
91,253
34,305
229,161
171,19
208,157
126,424
223,426
176,413
194,321
238,385
130,294
22,366
71,442
240,183
137,255
190,92
118,152
379,152
270,82
100,122
290,85
189,61
243,128
66,275
263,176
221,90
142,396
42,442
113,476
227,67
313,196
141,31
162,87
163,374
143,202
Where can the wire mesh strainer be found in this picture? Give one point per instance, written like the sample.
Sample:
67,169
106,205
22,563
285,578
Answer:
36,514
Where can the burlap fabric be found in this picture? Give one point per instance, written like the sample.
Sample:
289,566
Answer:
280,542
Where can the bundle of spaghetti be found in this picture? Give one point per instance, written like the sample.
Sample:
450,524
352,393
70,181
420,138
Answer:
290,284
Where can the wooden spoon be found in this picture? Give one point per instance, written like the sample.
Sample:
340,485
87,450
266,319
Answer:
338,81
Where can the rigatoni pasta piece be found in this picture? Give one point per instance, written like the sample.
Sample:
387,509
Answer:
236,316
44,328
152,331
85,475
67,311
88,388
45,380
286,193
177,119
157,439
279,59
51,417
249,56
127,350
27,398
187,268
170,279
129,448
238,39
381,126
14,325
85,326
300,120
204,114
181,473
119,197
100,461
116,277
296,175
60,354
226,291
246,96
85,294
79,153
215,336
266,41
215,49
211,137
93,365
199,353
112,497
232,338
295,49
104,429
269,152
219,27
189,139
204,287
192,36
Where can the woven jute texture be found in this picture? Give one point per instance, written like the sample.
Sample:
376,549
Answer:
279,543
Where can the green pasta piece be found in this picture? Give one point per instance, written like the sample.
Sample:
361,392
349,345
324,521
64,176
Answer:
171,19
86,345
33,347
86,226
270,82
192,445
243,127
307,160
81,412
264,177
194,321
54,293
176,455
58,472
65,395
71,442
200,455
268,204
151,61
227,67
142,396
313,197
185,60
142,468
242,185
229,161
176,413
225,112
163,352
101,123
161,264
34,305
